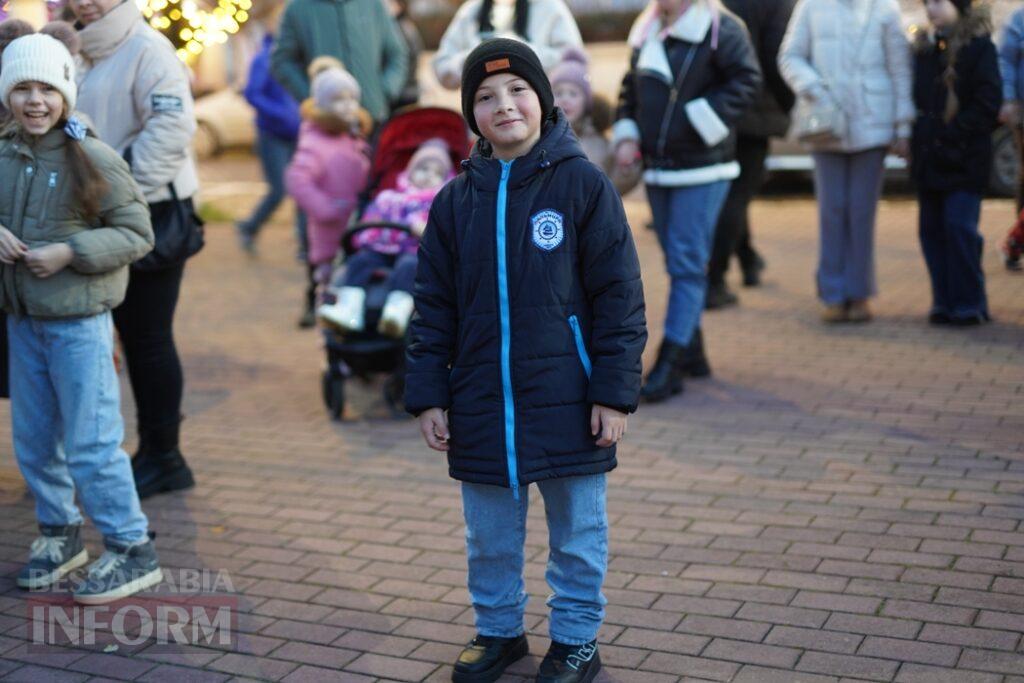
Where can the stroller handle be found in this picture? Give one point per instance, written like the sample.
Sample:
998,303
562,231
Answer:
362,226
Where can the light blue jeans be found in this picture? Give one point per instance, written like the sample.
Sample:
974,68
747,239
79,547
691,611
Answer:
578,558
685,220
67,425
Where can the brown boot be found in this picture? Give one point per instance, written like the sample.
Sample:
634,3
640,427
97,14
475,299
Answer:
834,313
858,312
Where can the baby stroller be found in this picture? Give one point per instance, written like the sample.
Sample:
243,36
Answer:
363,354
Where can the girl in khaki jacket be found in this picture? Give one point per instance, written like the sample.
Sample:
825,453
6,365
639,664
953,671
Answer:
71,220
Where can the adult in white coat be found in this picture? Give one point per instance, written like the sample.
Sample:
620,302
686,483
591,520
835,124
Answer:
136,93
856,53
546,25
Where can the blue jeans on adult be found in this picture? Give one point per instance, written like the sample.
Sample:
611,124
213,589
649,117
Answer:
848,186
952,246
67,426
275,154
685,219
578,559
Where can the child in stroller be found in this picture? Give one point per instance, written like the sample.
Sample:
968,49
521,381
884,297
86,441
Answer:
383,247
429,141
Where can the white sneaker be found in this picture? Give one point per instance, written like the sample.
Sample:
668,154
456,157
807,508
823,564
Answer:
394,317
346,313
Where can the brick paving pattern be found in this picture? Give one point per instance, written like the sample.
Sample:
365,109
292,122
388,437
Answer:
836,504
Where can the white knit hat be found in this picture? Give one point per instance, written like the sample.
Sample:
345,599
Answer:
38,57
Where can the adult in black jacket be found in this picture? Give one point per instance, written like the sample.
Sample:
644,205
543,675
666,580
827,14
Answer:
692,74
766,22
958,93
575,310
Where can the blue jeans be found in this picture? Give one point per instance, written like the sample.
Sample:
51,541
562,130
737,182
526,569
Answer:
67,426
275,154
952,246
685,219
848,187
578,559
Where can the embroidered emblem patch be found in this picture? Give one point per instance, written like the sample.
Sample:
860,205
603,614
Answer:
166,103
548,229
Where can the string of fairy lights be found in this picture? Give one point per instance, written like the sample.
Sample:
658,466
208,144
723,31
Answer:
191,27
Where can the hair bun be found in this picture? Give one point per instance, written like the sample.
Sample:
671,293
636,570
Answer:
11,30
65,33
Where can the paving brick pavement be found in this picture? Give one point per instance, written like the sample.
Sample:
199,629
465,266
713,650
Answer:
836,504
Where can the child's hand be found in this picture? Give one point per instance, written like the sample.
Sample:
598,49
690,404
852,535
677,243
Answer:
434,427
49,260
609,423
11,248
627,153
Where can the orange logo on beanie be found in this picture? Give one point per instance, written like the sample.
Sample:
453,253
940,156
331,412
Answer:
497,65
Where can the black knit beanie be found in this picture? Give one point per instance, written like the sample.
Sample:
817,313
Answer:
504,55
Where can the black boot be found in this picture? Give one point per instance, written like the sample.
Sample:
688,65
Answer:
161,467
666,379
486,658
569,664
695,363
719,296
752,265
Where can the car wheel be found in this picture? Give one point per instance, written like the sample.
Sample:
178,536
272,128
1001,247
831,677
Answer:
205,142
1005,164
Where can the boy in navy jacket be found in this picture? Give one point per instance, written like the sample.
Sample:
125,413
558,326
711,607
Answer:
525,357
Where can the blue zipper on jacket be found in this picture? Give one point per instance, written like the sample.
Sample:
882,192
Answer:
506,333
581,348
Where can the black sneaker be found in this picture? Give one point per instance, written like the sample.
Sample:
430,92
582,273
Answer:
570,663
486,658
939,318
719,296
56,552
121,571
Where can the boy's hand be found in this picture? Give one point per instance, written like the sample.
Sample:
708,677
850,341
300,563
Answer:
49,260
11,248
609,423
627,153
434,427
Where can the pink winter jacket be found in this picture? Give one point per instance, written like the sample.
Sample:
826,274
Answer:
325,178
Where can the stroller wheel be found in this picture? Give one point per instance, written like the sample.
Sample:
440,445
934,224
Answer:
334,394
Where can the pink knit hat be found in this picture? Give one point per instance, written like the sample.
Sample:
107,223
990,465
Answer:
330,83
434,149
573,69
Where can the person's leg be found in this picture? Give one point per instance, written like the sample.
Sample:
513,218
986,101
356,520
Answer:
495,536
274,154
964,247
752,158
578,560
830,186
36,425
82,372
864,190
732,222
932,234
403,275
360,266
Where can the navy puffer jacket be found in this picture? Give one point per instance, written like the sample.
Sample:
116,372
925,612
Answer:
530,310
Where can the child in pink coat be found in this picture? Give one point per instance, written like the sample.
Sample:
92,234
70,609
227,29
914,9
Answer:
331,164
376,248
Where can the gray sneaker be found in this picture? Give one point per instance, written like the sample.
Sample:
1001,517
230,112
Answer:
58,551
121,571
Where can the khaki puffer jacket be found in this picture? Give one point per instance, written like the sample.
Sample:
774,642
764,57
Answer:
38,205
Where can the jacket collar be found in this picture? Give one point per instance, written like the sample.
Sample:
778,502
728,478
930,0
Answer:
32,147
557,143
102,37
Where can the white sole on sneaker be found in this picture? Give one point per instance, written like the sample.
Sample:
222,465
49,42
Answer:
131,588
57,574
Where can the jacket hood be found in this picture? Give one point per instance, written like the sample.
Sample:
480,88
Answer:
557,143
103,36
975,24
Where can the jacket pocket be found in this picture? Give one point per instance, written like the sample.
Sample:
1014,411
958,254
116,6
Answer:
581,348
